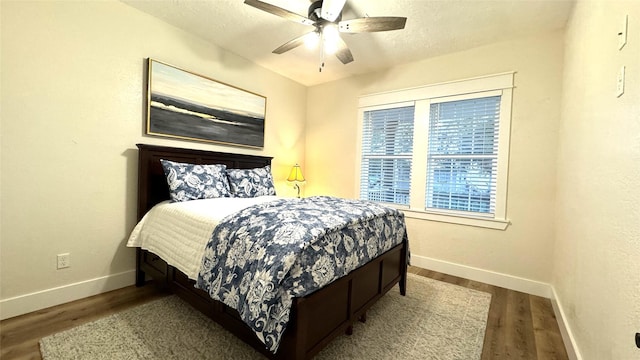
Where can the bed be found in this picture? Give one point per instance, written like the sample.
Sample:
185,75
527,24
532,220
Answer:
314,319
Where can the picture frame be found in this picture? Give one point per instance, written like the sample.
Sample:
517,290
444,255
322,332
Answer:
185,105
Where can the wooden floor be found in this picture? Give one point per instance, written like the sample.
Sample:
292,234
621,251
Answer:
520,326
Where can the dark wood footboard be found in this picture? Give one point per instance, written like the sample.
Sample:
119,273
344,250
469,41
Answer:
315,319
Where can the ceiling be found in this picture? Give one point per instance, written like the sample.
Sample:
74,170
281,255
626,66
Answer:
433,28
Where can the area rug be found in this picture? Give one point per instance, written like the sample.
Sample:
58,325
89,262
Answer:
435,320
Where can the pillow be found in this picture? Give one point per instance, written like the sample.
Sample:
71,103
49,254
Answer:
247,183
190,182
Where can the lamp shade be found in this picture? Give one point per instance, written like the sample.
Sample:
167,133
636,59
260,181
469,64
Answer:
296,174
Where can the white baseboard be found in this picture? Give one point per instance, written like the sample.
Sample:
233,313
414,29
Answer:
567,335
488,277
24,304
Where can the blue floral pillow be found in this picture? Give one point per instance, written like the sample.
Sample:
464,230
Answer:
190,182
247,183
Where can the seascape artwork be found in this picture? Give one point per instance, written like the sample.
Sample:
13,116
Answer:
189,106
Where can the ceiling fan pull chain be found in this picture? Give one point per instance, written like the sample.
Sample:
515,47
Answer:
321,51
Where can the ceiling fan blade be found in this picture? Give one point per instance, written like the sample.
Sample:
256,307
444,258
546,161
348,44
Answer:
278,11
294,43
331,9
343,53
372,24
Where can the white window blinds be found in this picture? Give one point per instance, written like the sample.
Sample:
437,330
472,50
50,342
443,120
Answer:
462,155
387,146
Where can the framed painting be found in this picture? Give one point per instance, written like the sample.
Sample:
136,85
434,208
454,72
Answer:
184,105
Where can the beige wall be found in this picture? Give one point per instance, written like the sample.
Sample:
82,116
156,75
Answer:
73,97
525,248
597,256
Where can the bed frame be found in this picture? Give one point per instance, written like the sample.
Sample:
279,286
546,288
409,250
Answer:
315,319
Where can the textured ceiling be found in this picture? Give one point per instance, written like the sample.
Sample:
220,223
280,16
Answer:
433,28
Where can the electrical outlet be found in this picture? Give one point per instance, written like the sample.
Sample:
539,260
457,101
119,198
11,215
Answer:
620,82
64,260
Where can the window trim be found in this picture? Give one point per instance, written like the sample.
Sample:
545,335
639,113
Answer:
422,97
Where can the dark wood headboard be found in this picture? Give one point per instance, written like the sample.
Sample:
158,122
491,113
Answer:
152,184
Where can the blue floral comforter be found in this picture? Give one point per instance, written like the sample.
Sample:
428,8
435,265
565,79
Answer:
262,257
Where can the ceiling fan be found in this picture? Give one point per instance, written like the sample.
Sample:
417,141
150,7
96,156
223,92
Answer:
326,17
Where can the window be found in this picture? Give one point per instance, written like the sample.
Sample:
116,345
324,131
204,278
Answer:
439,152
462,155
386,155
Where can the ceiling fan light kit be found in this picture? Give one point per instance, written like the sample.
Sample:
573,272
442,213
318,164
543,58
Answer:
326,17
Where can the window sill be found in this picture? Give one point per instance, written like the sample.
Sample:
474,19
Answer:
496,224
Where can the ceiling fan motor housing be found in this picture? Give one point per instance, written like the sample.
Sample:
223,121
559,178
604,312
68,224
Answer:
315,10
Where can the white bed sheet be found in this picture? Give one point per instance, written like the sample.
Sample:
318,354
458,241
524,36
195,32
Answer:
179,231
